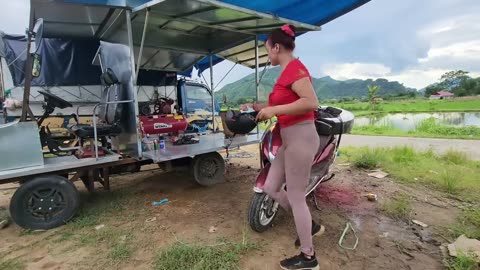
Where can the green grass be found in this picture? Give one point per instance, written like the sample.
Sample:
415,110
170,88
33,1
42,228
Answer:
101,206
462,262
427,128
413,105
120,252
468,223
115,242
10,264
451,172
370,158
399,207
197,257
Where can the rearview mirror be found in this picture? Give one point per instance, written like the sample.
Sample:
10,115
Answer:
37,35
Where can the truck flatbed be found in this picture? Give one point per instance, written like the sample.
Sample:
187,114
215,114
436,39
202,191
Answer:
213,142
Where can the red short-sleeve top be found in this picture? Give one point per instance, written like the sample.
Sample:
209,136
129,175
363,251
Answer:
283,94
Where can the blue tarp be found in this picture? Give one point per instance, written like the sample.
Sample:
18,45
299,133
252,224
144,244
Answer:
67,62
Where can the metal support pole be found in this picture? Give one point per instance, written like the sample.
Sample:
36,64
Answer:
135,87
213,95
256,69
140,52
28,71
256,75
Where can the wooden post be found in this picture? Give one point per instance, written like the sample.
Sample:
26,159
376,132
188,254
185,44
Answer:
106,178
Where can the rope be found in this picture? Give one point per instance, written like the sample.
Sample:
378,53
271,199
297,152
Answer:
224,77
342,238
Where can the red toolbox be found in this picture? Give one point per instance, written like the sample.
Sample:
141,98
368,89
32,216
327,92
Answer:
163,123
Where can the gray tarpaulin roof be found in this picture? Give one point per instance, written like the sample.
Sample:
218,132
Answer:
180,33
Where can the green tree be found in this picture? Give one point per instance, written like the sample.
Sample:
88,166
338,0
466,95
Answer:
372,91
453,79
412,94
469,87
432,89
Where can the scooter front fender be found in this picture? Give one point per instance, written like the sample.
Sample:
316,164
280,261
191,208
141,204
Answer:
261,178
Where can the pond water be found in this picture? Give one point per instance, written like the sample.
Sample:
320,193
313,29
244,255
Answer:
408,121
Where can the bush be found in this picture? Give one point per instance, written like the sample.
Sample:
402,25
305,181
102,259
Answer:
368,158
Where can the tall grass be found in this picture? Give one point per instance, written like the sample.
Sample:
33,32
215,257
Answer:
431,126
426,128
468,223
451,172
413,105
462,262
399,207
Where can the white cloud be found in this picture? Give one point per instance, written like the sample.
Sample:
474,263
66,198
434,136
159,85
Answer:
470,50
416,78
355,70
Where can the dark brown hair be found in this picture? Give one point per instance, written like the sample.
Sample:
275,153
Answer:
280,36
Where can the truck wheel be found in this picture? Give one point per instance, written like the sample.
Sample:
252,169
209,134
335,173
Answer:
44,202
208,169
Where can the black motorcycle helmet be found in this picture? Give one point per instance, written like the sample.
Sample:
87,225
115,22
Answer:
240,123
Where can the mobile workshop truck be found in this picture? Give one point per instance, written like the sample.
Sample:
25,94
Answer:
141,48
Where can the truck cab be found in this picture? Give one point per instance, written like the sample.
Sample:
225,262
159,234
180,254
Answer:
195,101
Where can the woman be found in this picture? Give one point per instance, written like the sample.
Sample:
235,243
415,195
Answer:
293,101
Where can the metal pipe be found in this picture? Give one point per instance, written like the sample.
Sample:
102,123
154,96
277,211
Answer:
135,87
28,70
114,21
256,75
213,95
256,68
263,72
140,52
2,87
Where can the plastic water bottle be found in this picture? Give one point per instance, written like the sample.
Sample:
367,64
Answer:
162,143
145,142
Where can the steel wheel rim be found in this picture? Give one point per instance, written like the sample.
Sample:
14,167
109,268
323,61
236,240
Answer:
45,203
268,210
209,167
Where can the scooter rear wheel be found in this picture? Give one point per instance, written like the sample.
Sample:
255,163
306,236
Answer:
262,212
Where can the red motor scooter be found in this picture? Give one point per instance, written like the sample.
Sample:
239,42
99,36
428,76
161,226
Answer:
330,123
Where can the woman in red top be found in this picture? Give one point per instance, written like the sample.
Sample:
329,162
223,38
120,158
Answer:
293,101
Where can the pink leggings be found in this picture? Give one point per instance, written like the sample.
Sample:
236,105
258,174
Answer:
293,164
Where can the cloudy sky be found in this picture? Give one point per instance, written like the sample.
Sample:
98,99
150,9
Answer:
410,41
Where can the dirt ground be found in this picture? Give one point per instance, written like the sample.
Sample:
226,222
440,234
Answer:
383,243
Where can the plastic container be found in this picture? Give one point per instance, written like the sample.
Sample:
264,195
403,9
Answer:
162,143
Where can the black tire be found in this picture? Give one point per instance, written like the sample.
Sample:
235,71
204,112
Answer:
255,213
55,194
208,169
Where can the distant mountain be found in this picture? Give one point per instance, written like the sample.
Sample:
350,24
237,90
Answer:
325,87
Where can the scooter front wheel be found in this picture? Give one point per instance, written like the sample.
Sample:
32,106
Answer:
262,212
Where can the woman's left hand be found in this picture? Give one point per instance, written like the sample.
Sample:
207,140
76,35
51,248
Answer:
266,113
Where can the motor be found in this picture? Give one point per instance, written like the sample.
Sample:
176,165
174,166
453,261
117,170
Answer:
330,123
